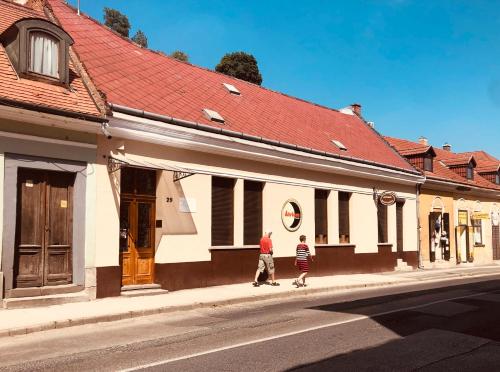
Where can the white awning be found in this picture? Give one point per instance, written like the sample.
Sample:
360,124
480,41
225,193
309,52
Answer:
117,161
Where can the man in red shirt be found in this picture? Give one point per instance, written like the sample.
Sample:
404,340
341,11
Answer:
265,258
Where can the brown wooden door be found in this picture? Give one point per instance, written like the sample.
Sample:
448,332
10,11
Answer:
137,240
496,242
44,221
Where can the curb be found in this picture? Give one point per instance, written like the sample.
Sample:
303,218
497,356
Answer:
58,324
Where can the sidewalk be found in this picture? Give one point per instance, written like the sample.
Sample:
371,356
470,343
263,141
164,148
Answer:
23,321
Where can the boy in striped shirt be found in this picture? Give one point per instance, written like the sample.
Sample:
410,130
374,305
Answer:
301,261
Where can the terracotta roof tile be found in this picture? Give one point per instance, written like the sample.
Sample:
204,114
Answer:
444,159
139,78
24,91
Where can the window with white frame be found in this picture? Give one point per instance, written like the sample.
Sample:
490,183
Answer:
44,54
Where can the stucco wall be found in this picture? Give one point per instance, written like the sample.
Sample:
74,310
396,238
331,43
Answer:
433,201
190,239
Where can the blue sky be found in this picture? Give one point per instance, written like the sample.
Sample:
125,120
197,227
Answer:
417,67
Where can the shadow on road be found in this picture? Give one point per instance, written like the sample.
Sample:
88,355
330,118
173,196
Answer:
461,333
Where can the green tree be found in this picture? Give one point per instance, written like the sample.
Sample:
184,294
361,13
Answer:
240,65
140,38
180,55
116,21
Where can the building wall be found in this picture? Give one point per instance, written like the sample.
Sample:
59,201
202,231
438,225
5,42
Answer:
433,201
47,142
184,256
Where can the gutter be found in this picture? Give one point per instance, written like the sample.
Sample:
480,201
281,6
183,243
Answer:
53,111
234,134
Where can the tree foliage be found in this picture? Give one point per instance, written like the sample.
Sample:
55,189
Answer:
240,65
180,55
140,38
116,21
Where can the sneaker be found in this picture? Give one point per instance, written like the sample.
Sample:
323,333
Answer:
275,284
296,283
304,285
256,284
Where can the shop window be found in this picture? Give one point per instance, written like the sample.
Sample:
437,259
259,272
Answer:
428,163
321,216
477,228
222,211
344,236
382,223
252,212
399,225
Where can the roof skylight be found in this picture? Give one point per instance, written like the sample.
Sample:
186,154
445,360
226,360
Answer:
339,144
231,88
213,116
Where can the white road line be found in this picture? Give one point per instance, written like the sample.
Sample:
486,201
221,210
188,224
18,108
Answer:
234,346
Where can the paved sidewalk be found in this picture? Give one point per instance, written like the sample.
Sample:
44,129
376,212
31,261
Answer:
23,321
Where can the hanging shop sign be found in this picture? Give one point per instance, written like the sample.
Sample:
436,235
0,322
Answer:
480,216
291,215
387,198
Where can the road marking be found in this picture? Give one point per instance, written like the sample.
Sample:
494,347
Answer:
247,343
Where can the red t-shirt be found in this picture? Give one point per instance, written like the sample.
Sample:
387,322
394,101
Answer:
266,245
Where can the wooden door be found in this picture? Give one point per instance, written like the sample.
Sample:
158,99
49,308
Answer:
496,242
137,240
44,221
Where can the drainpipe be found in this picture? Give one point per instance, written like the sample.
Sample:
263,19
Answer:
419,245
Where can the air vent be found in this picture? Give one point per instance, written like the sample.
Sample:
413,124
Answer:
232,89
339,144
213,116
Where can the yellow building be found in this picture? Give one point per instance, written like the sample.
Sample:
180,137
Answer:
459,204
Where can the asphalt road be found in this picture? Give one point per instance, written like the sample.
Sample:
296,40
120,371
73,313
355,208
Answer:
426,327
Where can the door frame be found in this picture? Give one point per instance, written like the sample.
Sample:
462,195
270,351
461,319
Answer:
135,198
12,163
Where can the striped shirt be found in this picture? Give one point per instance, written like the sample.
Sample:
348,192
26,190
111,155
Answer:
302,252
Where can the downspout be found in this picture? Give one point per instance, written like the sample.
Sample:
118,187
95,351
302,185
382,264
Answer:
419,243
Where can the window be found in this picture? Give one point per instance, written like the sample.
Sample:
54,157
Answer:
321,216
382,223
477,228
470,172
252,212
399,225
222,211
38,49
344,198
428,163
44,54
497,179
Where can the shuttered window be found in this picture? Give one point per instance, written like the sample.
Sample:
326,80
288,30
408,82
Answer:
252,212
222,211
382,223
321,216
344,198
399,225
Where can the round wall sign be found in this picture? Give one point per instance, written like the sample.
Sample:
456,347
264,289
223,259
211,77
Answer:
387,198
291,215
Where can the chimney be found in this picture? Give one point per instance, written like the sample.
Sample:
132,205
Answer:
423,141
33,4
356,108
447,147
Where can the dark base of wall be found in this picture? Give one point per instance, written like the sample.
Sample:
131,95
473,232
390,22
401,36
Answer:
239,266
108,281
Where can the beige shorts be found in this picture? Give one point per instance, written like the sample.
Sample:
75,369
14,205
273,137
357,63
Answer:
266,262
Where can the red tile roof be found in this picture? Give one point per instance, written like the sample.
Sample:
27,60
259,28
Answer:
486,163
15,90
142,79
441,171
